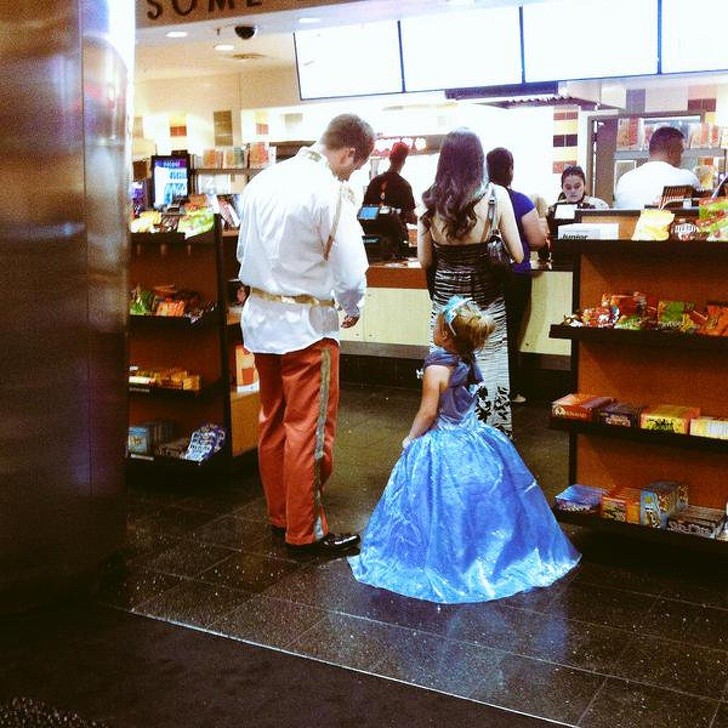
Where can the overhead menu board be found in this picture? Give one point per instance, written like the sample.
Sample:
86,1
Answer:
689,40
462,49
579,39
351,60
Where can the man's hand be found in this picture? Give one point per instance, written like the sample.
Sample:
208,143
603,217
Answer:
349,321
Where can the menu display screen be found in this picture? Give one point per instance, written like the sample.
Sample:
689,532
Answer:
579,39
448,50
351,60
689,41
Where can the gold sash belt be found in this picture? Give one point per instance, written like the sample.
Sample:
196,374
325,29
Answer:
302,298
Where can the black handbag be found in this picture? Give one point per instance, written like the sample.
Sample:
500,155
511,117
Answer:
499,257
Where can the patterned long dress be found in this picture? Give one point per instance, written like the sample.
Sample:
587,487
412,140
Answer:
463,270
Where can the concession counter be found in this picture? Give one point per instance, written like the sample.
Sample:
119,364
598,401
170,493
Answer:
395,323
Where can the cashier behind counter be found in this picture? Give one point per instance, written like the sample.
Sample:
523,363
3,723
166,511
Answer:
385,235
391,189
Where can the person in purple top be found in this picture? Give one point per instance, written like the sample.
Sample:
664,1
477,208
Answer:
517,289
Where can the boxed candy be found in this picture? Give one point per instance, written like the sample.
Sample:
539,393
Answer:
139,440
144,438
658,500
173,448
704,426
205,441
579,406
697,521
246,375
622,504
620,414
581,498
668,418
682,497
630,133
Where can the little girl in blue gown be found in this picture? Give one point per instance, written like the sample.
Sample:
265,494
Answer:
461,519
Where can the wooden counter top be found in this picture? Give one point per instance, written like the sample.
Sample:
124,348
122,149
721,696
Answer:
409,274
396,274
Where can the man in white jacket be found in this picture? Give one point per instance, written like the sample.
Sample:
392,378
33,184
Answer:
301,254
643,186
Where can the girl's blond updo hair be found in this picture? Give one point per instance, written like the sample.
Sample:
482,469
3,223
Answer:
470,329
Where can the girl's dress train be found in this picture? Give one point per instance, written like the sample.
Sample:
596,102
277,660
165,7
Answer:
462,519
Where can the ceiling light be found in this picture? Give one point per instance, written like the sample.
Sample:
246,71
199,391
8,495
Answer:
177,34
224,47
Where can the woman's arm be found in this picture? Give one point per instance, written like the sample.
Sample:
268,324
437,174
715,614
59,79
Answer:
598,203
533,229
434,380
507,223
424,245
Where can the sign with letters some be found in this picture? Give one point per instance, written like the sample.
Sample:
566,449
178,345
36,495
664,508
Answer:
153,13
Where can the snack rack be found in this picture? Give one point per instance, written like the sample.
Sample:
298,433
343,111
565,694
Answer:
647,366
200,344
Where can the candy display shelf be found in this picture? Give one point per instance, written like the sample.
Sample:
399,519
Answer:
180,323
207,390
199,344
646,367
656,339
709,546
633,248
672,439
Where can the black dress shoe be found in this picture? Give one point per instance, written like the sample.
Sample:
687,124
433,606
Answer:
331,545
278,531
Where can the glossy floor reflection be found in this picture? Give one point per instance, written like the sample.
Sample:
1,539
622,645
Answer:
634,637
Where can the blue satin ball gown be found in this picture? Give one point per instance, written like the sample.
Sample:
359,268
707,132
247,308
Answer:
462,519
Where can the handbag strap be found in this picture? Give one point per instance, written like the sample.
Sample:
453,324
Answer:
492,207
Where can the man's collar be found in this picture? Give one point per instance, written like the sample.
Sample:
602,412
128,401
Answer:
313,153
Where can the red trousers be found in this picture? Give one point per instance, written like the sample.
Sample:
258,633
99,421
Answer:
299,400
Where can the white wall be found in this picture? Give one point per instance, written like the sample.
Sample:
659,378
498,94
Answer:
197,98
721,106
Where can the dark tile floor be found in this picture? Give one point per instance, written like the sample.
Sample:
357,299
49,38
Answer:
636,636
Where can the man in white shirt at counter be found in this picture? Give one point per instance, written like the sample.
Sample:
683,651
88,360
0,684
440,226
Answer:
301,253
643,186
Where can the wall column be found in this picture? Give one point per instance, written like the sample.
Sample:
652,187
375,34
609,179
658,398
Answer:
64,175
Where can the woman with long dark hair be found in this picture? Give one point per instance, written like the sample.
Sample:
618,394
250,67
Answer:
452,238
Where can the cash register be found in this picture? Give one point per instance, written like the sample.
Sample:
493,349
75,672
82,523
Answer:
560,213
385,235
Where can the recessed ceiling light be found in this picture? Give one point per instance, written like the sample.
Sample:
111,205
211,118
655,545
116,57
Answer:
177,34
309,20
224,47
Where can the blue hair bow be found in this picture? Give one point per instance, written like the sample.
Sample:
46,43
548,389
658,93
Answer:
451,308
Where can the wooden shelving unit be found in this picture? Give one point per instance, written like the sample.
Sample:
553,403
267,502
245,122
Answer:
635,248
635,434
647,367
201,345
244,405
659,536
647,339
